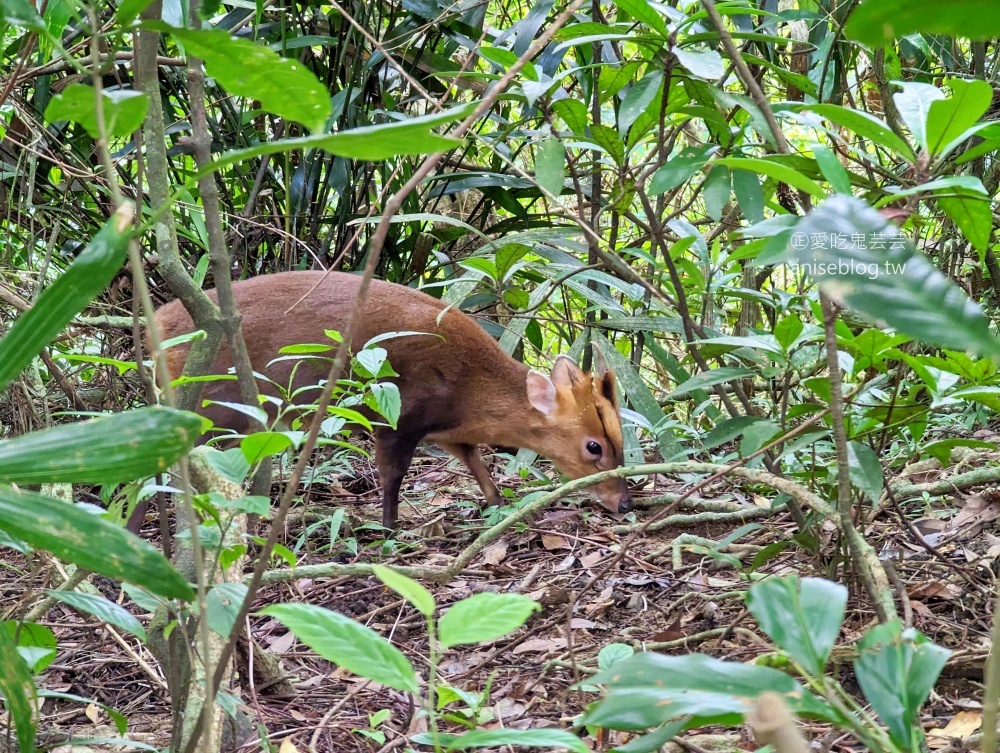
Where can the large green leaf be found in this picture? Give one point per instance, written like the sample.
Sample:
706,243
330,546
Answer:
22,13
775,170
18,689
864,125
710,379
642,10
878,22
111,449
124,109
501,738
802,617
649,689
914,103
484,617
891,282
66,297
408,588
103,609
897,669
343,641
971,212
282,85
550,165
865,469
950,118
369,143
88,541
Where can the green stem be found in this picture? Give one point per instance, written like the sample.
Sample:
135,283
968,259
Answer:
432,674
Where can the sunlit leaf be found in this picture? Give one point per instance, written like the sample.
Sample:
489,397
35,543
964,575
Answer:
88,541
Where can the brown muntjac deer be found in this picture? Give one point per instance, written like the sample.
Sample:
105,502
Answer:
459,389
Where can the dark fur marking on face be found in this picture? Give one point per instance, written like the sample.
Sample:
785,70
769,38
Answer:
619,453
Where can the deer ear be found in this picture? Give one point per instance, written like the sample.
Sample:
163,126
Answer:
600,363
605,386
541,393
566,374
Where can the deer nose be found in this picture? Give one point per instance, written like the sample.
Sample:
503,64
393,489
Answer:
625,505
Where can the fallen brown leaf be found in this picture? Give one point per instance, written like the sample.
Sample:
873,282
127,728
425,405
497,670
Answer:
553,541
936,590
496,553
538,645
961,726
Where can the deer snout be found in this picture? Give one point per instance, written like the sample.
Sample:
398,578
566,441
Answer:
614,496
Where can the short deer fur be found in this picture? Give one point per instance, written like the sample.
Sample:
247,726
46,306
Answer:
459,389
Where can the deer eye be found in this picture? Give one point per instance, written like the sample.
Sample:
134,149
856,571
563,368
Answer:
594,448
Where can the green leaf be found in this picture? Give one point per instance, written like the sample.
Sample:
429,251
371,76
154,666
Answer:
128,10
729,429
264,444
834,172
706,64
506,257
526,738
608,139
106,450
408,588
283,86
22,13
574,113
222,606
895,284
345,642
710,379
650,689
613,653
484,617
655,740
715,192
550,165
787,331
87,276
231,464
897,669
640,96
369,144
879,22
103,609
802,617
941,449
865,469
88,541
642,11
124,109
950,118
972,214
984,395
18,690
914,105
388,401
504,59
253,503
775,170
863,124
35,642
371,360
679,169
746,187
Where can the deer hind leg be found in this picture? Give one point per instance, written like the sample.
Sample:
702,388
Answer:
473,460
393,455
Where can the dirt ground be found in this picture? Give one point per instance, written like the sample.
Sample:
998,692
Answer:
644,601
